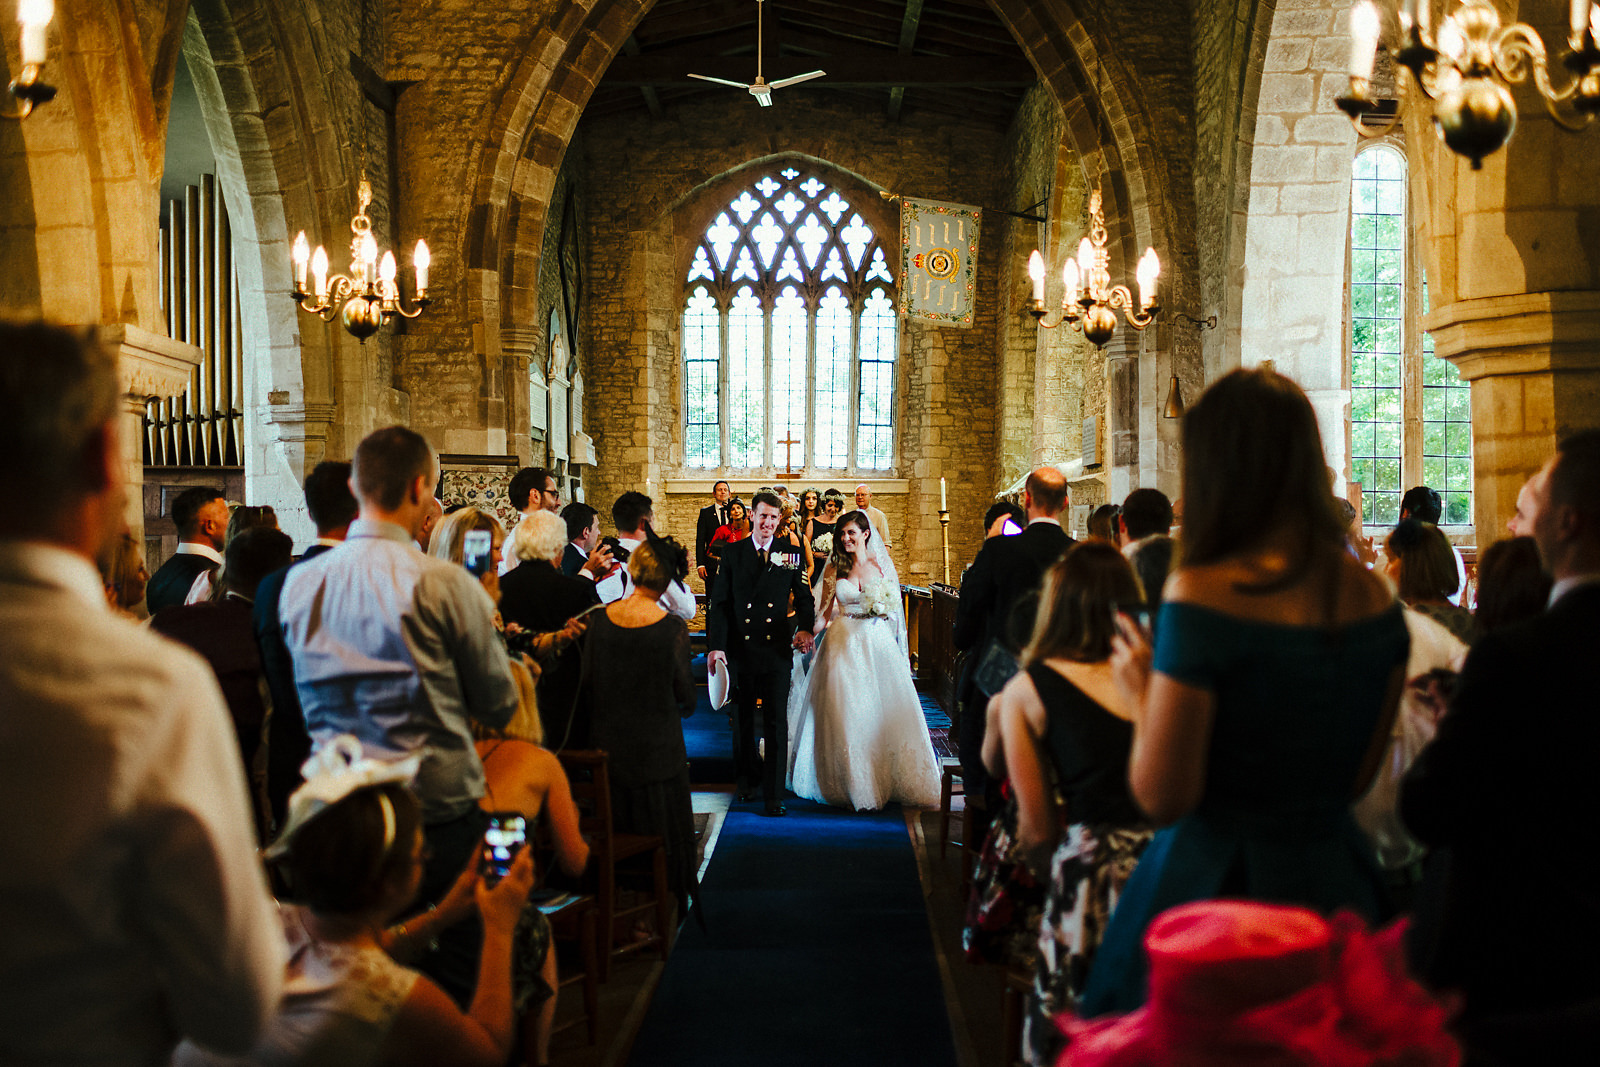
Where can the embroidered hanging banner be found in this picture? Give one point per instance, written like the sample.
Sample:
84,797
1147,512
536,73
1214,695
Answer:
939,260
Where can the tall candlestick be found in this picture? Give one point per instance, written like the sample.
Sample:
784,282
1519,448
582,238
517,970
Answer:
944,504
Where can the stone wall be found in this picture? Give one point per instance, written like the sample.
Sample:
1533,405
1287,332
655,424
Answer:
648,193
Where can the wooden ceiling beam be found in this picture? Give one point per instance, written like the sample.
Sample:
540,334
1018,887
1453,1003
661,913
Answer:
908,38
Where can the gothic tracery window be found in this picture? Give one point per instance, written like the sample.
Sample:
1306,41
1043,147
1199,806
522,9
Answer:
790,334
1410,414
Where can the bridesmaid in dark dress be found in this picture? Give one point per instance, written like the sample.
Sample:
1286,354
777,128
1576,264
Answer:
637,681
816,527
1276,673
1060,729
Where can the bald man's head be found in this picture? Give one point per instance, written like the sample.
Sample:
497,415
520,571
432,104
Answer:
1045,493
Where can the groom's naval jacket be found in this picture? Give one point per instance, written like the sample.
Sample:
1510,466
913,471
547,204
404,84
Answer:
748,612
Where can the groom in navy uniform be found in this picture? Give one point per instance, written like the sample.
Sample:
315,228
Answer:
748,629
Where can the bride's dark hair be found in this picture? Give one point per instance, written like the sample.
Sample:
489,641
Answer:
842,563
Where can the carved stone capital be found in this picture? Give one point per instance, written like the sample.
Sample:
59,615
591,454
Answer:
1524,333
150,365
301,433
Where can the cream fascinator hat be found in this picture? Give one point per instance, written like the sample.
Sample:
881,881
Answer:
333,772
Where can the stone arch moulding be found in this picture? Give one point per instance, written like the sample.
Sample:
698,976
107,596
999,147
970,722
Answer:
259,83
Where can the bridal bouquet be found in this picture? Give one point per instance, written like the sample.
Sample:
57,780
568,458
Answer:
823,545
878,596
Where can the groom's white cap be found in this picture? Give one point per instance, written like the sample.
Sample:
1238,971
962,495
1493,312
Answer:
719,684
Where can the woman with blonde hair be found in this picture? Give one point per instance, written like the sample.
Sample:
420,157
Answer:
450,540
124,575
1060,728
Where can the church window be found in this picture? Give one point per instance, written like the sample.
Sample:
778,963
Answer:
790,334
1410,422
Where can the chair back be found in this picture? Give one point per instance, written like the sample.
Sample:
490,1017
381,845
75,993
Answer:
590,778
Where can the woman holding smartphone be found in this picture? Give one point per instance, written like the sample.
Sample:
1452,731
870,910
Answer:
1266,704
1061,727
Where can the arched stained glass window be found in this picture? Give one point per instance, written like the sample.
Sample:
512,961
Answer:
1410,412
790,334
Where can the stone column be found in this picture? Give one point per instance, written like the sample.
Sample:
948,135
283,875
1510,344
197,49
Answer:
151,367
1514,274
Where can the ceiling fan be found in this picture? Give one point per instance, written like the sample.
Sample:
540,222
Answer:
761,89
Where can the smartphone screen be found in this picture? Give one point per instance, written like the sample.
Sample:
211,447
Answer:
1138,612
507,833
475,550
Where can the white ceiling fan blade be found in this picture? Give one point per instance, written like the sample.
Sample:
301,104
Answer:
797,79
720,81
764,99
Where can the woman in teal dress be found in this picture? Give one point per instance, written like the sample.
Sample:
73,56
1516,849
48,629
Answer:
1263,711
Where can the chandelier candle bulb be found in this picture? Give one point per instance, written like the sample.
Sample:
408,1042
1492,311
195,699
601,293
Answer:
1069,282
1148,271
422,259
1086,265
1579,21
1364,28
319,270
35,16
1036,275
302,256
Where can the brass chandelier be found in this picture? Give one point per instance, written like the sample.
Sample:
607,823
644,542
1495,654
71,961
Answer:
1088,300
366,298
1464,69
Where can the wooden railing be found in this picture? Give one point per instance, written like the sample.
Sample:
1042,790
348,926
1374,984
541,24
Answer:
204,426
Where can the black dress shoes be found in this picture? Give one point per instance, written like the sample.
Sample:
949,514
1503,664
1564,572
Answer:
776,812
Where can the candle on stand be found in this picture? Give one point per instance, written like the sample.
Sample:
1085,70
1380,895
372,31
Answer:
302,257
422,259
944,504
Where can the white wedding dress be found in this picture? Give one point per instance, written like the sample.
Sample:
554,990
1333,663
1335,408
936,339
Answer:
858,738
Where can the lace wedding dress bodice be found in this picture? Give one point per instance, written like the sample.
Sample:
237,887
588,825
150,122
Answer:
858,735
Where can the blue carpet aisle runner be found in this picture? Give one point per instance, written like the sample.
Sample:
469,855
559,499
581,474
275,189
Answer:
816,951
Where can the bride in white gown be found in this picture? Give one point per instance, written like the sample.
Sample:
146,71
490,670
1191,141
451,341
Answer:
858,738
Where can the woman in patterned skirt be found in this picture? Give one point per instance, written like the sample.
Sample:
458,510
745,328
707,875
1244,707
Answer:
1060,729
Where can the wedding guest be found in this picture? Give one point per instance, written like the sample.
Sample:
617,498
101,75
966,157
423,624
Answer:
222,632
400,649
332,508
201,516
1512,584
123,575
995,520
1513,762
880,522
1061,729
988,623
432,515
133,910
208,584
1267,607
1153,561
1145,513
523,776
1424,505
712,517
822,526
450,543
634,514
810,507
637,681
1103,524
737,528
584,557
546,606
534,489
354,852
1420,565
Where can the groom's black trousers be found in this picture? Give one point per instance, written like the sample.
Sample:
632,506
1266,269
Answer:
763,678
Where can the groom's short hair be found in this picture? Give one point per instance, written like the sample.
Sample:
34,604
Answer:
630,510
769,499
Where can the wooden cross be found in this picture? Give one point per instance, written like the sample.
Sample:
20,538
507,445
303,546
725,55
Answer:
788,455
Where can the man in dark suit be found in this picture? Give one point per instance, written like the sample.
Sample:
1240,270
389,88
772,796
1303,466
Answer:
221,632
713,517
584,557
541,600
201,516
749,630
997,594
332,507
1507,798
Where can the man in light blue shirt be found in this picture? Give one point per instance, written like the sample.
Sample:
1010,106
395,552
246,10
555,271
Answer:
399,649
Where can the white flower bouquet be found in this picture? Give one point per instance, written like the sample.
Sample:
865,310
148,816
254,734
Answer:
878,596
823,545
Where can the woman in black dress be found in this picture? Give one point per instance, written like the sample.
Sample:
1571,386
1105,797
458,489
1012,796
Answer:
637,682
818,527
1062,720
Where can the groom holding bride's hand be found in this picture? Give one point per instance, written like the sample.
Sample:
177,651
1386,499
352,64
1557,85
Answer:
748,629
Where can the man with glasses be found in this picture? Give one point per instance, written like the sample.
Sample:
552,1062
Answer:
534,489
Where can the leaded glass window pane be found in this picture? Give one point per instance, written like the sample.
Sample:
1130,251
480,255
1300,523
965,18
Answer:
746,396
789,378
1446,432
1377,329
702,330
832,447
879,346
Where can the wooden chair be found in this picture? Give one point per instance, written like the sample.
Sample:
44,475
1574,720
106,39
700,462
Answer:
950,785
574,924
588,773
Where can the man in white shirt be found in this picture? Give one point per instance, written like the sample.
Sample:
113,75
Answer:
633,514
133,911
880,521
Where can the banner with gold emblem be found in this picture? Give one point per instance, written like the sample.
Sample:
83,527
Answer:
939,260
